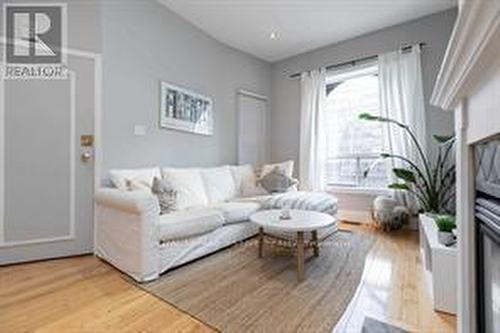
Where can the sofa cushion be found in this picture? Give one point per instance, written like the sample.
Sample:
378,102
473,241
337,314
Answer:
188,223
134,179
245,181
219,184
234,212
189,187
259,199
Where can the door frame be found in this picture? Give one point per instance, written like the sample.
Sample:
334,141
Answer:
97,59
265,120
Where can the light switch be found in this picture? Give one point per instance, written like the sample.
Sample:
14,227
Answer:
139,130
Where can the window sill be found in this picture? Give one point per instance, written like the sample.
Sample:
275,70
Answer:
359,190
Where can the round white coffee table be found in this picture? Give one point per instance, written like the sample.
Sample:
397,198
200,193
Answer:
300,221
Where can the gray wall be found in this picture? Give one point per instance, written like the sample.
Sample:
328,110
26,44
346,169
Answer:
143,43
434,30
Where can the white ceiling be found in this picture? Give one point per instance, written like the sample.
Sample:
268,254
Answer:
300,25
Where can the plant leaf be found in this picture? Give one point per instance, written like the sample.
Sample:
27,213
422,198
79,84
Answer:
371,167
370,117
443,138
404,174
399,186
367,116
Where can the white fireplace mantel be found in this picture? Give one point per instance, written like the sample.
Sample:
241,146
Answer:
474,45
469,84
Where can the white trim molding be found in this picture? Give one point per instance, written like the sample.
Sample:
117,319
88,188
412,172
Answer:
367,191
2,154
473,42
355,216
466,307
252,94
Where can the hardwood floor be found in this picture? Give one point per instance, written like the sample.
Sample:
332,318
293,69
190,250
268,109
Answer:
84,294
393,289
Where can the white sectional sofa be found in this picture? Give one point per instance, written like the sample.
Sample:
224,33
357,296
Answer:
214,205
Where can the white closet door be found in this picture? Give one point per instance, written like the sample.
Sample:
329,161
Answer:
252,128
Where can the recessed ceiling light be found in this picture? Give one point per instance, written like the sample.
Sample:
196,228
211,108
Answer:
273,36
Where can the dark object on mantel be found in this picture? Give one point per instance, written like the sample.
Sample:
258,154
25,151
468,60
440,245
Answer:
488,168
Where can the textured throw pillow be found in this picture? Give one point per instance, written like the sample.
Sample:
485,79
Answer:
286,167
167,196
277,181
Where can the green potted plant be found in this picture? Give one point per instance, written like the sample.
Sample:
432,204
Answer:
431,183
445,224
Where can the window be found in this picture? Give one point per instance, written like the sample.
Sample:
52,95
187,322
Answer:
354,145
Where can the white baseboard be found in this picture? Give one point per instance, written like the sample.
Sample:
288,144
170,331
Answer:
358,216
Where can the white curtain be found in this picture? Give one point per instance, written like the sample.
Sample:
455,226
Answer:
312,130
402,99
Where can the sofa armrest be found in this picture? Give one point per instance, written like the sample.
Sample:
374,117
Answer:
126,237
134,202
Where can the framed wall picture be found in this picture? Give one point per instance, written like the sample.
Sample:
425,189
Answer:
185,110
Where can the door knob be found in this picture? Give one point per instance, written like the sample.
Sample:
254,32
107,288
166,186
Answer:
86,156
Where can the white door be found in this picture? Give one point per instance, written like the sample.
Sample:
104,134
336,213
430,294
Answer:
47,164
252,128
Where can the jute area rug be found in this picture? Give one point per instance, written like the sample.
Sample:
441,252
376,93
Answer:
235,291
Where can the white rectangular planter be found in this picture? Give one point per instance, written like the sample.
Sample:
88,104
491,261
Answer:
440,263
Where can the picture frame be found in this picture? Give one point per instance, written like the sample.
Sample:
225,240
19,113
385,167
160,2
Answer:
185,110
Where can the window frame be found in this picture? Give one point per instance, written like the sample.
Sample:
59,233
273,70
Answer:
336,78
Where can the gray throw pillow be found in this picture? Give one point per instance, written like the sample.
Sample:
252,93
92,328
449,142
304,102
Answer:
167,196
277,181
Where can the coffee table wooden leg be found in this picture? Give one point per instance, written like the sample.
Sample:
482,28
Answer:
300,256
314,238
261,242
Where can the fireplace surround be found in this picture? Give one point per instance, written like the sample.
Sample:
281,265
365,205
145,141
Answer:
487,220
468,84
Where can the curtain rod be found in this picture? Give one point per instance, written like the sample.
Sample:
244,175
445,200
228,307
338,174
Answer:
364,59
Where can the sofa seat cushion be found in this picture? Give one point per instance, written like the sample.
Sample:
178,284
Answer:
188,223
260,199
235,212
